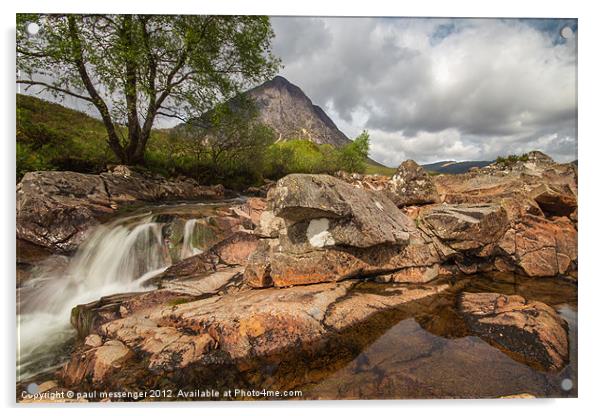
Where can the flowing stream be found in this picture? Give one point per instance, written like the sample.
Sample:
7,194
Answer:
416,351
117,257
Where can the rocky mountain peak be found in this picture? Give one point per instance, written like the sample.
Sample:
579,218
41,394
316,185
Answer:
288,110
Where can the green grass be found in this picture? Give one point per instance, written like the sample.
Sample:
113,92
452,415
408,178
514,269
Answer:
374,169
53,137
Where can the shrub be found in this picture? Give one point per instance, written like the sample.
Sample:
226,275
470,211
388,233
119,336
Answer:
511,159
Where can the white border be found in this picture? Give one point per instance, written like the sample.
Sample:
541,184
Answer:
590,134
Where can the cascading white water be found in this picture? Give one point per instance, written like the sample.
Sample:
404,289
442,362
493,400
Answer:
188,248
118,257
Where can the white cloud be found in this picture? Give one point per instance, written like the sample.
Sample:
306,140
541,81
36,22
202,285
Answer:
434,89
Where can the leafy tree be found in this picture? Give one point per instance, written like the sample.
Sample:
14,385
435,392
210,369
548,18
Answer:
353,155
229,137
134,68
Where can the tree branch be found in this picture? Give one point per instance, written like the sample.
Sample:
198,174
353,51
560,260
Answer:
31,83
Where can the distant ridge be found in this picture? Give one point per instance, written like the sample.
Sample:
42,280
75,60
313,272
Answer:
450,166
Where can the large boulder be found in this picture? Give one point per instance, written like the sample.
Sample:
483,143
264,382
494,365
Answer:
338,213
412,185
464,226
322,229
529,330
56,209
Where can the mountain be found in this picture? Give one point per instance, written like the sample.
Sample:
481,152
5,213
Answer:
451,166
285,108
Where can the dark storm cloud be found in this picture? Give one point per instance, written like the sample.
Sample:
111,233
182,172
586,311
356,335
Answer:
436,89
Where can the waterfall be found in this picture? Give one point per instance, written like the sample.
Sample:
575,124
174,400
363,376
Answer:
116,258
188,248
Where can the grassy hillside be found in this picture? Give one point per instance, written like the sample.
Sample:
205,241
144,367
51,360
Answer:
53,137
374,168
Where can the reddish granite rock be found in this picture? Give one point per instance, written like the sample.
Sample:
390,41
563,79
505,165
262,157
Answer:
56,209
234,329
544,247
96,364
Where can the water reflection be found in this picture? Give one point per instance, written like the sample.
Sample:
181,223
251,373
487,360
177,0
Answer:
431,353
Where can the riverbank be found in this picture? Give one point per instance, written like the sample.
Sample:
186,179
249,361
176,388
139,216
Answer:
349,287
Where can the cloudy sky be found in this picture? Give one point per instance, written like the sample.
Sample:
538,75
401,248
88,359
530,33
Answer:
439,89
435,89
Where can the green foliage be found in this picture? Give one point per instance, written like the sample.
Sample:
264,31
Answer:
373,168
353,156
511,159
303,156
239,153
133,68
52,137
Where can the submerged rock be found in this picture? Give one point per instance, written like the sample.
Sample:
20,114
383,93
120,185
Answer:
530,330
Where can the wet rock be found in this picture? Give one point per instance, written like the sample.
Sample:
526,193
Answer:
412,185
55,209
96,364
224,280
238,328
529,330
88,318
233,250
